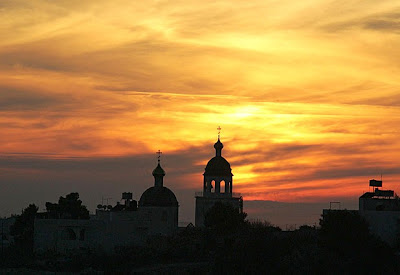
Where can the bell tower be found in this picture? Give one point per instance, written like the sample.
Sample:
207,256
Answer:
217,172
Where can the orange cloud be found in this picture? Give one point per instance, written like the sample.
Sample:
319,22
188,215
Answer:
306,93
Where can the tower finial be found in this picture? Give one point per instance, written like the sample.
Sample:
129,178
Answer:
219,131
158,172
159,155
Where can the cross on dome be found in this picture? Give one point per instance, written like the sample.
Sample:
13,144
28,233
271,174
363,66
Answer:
218,145
158,172
159,155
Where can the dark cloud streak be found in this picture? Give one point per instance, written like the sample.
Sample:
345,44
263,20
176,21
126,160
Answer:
16,99
385,21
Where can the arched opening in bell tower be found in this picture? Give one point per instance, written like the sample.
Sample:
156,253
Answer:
222,186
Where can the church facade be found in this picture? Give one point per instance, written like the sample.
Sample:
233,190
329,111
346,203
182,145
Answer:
217,186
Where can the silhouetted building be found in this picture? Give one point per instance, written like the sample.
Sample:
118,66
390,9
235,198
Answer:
122,225
5,236
381,209
217,186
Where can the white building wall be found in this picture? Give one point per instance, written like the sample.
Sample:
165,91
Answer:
53,235
384,224
162,220
5,236
105,231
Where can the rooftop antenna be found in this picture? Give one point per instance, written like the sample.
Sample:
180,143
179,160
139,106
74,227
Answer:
219,131
159,156
335,204
105,199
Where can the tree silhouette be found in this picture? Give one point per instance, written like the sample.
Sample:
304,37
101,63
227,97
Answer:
69,207
22,229
224,218
343,231
348,246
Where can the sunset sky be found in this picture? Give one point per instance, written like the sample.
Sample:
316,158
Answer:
307,94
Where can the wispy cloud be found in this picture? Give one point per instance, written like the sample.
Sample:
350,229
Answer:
307,94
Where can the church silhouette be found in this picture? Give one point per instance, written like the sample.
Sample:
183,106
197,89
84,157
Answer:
134,223
217,186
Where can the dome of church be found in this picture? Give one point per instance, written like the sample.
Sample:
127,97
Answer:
218,166
158,171
218,145
158,196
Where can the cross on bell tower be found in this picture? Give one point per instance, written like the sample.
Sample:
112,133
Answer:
218,145
159,155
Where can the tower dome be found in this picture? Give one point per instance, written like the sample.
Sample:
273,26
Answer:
158,171
218,165
218,146
218,172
